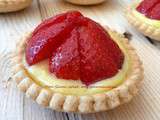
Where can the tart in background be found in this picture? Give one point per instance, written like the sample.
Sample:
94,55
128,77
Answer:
145,17
13,5
71,63
85,2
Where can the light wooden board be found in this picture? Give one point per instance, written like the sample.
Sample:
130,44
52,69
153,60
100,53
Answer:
14,105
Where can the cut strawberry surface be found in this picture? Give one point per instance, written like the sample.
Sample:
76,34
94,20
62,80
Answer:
150,8
77,48
65,62
47,38
96,50
112,47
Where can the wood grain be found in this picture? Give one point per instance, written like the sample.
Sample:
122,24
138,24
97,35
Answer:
15,106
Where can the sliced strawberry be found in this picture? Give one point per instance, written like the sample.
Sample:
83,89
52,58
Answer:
47,37
97,62
155,12
56,19
112,46
146,5
65,62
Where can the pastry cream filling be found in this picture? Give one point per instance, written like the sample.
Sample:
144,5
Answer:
140,16
41,75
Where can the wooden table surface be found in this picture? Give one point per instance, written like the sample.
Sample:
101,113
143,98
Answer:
15,106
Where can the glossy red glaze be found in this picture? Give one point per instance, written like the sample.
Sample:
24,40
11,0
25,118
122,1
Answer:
150,8
77,48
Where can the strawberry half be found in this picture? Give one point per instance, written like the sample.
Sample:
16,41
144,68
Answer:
100,55
65,62
150,8
146,5
49,35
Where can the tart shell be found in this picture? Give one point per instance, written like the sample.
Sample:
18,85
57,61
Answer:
13,5
85,2
141,26
80,104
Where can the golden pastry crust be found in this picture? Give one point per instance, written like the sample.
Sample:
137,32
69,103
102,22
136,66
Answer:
80,104
146,29
85,2
13,5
